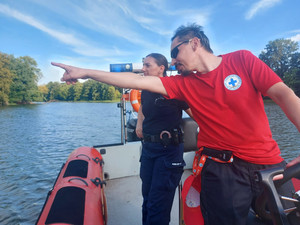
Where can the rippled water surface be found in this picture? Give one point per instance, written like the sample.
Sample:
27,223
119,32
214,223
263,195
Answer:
36,140
284,132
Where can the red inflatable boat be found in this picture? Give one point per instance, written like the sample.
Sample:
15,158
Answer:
77,196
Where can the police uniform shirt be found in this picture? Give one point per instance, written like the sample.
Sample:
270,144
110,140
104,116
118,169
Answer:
161,113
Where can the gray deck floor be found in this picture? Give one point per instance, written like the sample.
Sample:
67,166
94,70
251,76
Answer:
124,201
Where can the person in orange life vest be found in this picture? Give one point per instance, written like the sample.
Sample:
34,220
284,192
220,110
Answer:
224,94
162,155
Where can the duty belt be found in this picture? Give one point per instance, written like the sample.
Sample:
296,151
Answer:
165,137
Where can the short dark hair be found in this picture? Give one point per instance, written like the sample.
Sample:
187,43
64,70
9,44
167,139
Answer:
192,30
160,60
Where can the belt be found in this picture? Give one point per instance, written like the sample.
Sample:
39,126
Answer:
165,137
203,153
222,155
151,138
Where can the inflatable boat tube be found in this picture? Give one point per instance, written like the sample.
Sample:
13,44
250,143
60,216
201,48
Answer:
77,196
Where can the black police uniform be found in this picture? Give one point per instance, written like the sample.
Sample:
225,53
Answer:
162,156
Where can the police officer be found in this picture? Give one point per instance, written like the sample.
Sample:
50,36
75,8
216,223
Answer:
162,153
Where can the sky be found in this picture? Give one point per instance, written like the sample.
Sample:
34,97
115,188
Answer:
96,33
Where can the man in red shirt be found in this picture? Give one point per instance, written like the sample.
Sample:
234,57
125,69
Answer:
224,94
230,110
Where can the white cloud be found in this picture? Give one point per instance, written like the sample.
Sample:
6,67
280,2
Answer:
76,44
294,35
296,38
123,18
109,17
118,24
259,6
201,18
63,37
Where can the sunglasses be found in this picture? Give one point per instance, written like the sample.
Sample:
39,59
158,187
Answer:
175,50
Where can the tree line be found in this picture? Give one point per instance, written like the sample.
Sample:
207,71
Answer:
19,85
87,91
19,78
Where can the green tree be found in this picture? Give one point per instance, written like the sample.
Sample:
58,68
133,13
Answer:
295,73
43,93
87,90
77,91
95,95
62,92
280,55
100,88
292,79
104,91
24,86
53,88
111,93
117,94
6,77
295,60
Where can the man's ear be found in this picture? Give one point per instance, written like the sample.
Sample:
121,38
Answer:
196,43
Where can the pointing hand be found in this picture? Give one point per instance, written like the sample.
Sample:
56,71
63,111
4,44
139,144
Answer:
72,74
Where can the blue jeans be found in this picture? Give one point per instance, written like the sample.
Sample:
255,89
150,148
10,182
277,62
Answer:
161,170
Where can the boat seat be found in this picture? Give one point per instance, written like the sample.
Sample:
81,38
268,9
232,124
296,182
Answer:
190,132
189,127
131,135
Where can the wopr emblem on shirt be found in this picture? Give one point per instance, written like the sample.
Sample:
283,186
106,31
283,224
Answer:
233,82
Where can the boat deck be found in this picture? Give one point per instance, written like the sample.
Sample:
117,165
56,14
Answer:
124,201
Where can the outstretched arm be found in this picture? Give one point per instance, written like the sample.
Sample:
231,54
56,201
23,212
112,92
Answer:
124,80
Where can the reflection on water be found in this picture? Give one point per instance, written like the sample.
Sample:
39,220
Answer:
37,139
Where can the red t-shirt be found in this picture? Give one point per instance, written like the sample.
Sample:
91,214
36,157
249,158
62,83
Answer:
228,107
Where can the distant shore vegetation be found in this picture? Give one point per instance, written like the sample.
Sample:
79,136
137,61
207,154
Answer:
19,78
19,85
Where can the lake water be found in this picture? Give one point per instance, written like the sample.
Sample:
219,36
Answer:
35,140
